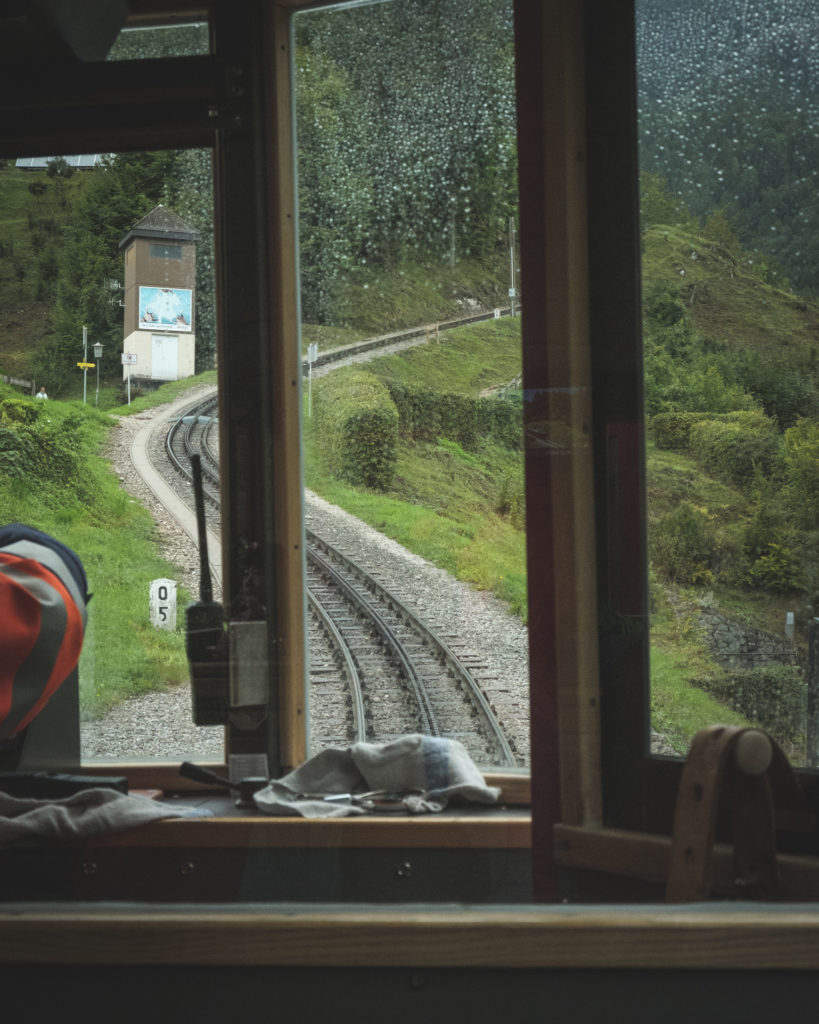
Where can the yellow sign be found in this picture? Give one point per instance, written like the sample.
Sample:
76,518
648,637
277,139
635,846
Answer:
86,366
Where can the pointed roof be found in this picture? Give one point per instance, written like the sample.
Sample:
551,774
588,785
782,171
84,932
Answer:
161,223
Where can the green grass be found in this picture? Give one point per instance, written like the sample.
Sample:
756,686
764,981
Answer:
168,392
672,477
376,301
465,361
727,300
116,539
328,338
678,709
441,509
444,501
678,654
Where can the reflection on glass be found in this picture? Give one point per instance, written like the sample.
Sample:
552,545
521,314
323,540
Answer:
729,153
407,210
161,41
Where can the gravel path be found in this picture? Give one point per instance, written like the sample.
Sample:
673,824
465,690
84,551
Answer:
154,726
159,726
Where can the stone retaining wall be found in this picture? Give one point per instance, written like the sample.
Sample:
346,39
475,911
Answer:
735,645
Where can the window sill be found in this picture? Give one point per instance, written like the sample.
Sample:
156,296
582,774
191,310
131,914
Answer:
506,825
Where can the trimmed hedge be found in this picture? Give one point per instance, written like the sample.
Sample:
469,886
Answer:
773,696
673,429
426,415
356,427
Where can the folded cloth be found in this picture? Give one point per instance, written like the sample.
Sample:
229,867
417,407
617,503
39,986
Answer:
413,774
91,812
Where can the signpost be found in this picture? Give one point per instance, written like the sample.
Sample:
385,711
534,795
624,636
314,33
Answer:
98,356
129,359
85,366
512,272
312,355
162,601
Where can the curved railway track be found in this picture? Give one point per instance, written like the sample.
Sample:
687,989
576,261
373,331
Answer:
376,670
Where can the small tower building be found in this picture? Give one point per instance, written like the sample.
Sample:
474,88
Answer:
159,342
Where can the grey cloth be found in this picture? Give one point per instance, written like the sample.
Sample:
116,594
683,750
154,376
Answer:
414,774
91,812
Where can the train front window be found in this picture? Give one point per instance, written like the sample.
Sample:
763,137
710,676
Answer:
410,336
407,228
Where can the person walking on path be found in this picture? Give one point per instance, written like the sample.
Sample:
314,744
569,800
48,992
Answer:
41,393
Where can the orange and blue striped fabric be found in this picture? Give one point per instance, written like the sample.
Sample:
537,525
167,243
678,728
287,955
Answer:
43,598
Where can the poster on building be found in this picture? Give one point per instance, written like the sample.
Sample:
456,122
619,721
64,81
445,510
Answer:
165,309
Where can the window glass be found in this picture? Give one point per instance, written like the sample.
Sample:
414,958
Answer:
161,41
99,324
729,152
166,252
406,165
107,294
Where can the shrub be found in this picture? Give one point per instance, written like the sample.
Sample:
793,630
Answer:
663,307
708,391
682,545
15,410
801,457
16,454
673,429
774,696
784,391
356,428
734,446
777,569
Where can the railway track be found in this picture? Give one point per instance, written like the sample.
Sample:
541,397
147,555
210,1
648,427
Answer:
376,670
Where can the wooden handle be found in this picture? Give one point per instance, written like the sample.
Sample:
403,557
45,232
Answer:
753,752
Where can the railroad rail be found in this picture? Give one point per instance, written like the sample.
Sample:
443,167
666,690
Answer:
376,670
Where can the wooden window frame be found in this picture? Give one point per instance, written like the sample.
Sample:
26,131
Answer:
593,784
572,794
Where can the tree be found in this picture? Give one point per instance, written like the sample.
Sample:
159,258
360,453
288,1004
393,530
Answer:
189,193
116,196
406,134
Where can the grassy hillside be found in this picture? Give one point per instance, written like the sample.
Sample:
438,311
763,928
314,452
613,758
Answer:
728,298
53,476
462,510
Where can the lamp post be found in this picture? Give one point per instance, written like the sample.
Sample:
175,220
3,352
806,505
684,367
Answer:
97,357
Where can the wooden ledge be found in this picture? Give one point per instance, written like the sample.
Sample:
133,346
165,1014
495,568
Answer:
494,829
742,937
506,825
